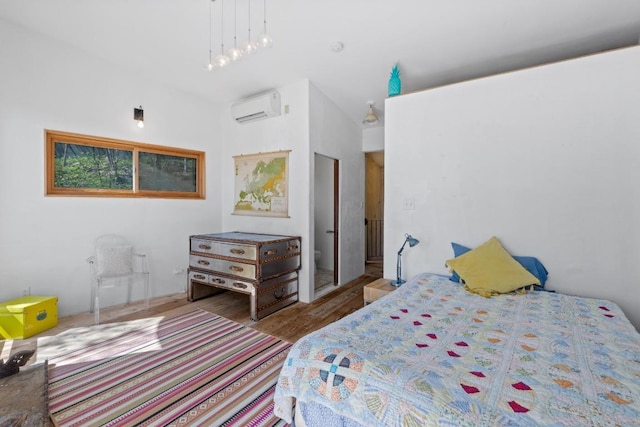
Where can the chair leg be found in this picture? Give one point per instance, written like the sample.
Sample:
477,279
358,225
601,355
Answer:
146,291
93,298
129,285
96,312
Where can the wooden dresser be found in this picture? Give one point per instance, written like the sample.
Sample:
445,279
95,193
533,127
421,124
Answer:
263,266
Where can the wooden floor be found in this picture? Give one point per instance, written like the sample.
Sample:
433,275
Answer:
290,323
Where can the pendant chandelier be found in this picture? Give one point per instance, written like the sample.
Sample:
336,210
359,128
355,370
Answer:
247,47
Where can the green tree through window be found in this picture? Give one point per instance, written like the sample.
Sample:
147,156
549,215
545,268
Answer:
83,166
80,165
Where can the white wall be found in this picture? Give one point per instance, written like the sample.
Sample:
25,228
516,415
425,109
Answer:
546,159
285,132
313,124
44,241
334,135
373,139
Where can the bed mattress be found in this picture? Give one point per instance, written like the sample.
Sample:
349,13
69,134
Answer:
432,353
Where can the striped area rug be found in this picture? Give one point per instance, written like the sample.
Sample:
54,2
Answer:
196,369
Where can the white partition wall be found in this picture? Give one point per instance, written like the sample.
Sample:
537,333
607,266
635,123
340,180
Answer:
546,159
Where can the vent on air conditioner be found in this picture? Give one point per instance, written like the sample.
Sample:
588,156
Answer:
257,107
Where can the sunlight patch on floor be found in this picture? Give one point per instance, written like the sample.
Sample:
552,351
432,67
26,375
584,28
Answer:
82,337
6,349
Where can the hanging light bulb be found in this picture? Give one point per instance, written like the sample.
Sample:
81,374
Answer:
221,60
249,47
263,39
210,66
234,53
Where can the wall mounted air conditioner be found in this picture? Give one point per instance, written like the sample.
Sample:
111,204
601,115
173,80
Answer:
257,107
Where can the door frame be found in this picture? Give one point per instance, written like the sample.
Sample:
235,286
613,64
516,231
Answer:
336,219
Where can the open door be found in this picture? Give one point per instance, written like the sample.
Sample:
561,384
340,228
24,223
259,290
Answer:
326,223
374,213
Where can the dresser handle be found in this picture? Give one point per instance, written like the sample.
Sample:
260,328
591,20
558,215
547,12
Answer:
270,252
236,269
275,294
237,251
292,248
239,285
203,246
203,262
199,276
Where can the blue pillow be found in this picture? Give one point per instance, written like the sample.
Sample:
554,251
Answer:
532,264
457,251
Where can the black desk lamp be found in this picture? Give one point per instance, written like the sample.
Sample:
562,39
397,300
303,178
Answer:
412,242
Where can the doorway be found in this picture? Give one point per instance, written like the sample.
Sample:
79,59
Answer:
326,220
374,213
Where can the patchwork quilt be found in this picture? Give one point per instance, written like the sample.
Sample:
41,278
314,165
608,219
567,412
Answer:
431,353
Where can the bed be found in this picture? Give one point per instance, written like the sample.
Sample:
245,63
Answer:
432,353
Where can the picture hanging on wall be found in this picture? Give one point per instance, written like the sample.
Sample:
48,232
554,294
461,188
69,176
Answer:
262,184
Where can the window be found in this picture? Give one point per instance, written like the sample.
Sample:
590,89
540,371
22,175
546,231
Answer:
81,165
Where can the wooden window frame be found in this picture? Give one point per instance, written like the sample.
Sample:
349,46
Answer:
53,136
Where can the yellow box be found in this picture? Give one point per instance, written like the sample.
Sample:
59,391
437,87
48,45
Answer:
26,316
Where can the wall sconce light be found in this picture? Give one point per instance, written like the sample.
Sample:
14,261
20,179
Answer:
138,114
412,242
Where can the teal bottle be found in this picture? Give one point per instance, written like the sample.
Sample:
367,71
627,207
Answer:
395,85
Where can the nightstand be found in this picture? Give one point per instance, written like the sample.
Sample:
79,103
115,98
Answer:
377,289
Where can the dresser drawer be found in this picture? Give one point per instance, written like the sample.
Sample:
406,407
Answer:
198,276
277,250
264,271
276,267
232,250
199,285
240,269
275,294
215,281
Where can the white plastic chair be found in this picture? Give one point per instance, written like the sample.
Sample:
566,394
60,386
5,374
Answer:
115,263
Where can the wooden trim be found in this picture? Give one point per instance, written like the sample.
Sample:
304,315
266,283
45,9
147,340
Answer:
336,220
53,136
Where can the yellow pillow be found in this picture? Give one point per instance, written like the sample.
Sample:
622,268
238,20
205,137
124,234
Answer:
489,269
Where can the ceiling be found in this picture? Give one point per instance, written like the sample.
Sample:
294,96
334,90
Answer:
434,42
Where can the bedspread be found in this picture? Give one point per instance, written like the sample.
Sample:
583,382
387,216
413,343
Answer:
431,353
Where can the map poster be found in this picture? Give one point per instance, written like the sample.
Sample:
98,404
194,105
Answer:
262,184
